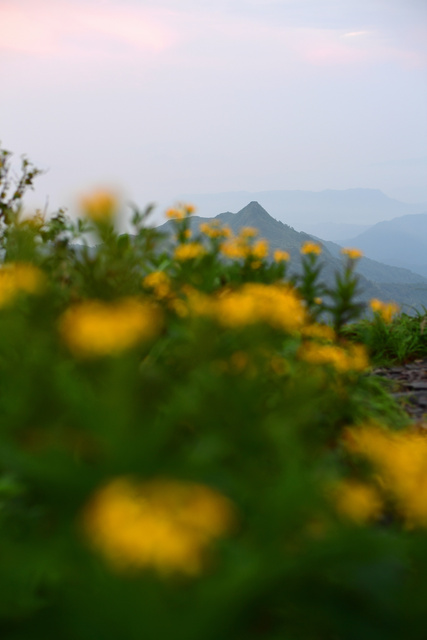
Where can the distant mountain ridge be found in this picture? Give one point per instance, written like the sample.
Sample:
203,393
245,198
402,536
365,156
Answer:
401,242
374,270
336,231
302,209
377,280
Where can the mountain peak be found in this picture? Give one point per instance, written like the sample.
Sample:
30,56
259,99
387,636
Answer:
254,209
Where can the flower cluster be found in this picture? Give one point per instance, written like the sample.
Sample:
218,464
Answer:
312,248
248,232
352,254
319,331
281,256
180,213
357,500
385,310
276,305
94,328
234,249
18,277
159,282
166,525
400,462
215,230
243,247
189,251
353,357
100,206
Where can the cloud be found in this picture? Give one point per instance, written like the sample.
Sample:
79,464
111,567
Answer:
330,47
337,48
199,33
355,34
80,28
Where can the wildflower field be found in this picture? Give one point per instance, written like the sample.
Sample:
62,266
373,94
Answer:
192,443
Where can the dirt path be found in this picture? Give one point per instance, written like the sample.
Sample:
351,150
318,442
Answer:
410,387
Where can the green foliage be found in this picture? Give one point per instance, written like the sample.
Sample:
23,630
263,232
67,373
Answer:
181,373
337,301
12,188
401,340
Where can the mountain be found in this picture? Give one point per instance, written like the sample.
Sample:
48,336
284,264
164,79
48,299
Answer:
401,242
336,231
278,234
301,209
377,280
409,194
376,271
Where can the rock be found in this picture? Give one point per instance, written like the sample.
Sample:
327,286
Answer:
410,386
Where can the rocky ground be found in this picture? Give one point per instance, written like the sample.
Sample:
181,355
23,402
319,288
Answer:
409,387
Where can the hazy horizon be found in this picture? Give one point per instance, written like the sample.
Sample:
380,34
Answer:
160,99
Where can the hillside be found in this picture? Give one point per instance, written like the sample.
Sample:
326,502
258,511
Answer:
377,280
374,270
401,242
278,234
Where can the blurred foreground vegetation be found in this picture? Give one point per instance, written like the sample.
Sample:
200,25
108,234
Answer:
192,445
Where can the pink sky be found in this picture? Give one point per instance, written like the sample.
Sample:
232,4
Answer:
172,97
81,29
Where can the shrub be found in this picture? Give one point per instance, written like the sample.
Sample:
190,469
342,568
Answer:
186,451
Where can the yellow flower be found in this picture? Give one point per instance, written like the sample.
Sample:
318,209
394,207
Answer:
215,230
198,303
159,282
260,249
189,251
274,305
353,358
353,254
281,256
101,206
183,211
357,501
253,303
319,331
94,328
179,307
400,459
358,357
234,249
165,525
311,248
175,214
248,232
386,310
19,277
239,248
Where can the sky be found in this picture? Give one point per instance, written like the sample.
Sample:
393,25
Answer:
155,99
